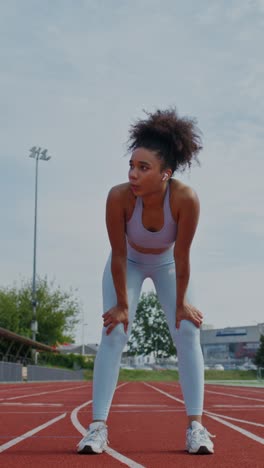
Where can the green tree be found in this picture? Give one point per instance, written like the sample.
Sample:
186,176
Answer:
57,311
259,358
150,332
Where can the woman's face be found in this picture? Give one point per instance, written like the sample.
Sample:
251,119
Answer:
145,173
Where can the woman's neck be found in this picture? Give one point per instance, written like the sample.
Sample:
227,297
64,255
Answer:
155,199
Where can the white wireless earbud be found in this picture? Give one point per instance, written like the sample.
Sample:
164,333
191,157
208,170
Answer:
165,177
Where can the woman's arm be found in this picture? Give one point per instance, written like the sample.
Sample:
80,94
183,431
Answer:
187,224
115,222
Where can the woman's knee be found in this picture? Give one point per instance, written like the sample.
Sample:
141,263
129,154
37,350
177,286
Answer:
187,328
187,332
117,337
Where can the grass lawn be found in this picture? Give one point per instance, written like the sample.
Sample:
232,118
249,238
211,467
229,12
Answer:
172,375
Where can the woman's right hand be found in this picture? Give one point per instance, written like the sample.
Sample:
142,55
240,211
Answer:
114,316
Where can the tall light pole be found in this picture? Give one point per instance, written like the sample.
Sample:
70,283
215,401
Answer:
83,334
36,153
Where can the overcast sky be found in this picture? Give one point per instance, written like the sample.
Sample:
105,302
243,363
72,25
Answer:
74,75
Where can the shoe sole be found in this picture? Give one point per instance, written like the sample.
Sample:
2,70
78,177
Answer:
87,449
203,450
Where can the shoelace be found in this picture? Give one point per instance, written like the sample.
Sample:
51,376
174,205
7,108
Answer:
202,433
92,435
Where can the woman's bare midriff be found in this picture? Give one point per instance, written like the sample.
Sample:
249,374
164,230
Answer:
145,250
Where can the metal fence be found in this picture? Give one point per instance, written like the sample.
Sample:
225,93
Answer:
16,372
39,373
10,372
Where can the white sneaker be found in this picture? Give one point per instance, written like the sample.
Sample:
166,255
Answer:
95,440
198,439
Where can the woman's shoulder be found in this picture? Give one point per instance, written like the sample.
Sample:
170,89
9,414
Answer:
119,190
121,194
183,198
181,191
120,199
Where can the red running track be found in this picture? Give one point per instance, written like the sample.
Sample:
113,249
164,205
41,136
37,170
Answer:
41,423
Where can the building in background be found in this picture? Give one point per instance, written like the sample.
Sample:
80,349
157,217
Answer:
230,347
236,345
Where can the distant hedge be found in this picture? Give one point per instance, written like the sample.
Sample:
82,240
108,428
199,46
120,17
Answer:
68,361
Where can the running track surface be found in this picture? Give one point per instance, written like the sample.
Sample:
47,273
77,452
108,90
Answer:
41,423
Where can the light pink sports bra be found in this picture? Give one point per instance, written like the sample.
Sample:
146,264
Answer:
139,235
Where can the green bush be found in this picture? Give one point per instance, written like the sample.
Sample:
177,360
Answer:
68,361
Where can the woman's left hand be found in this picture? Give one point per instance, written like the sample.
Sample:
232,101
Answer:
188,312
114,316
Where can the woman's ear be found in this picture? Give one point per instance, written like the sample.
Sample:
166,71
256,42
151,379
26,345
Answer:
167,174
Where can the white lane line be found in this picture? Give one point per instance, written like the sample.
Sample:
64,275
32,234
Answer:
235,419
22,386
75,420
235,396
243,385
27,413
148,411
15,441
248,434
217,418
30,404
164,393
118,456
127,461
140,406
43,393
238,406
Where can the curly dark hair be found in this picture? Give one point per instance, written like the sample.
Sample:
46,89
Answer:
177,140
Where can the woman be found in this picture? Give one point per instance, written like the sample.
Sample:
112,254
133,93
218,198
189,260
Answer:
151,221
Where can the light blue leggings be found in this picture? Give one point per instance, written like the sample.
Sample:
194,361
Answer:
161,269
